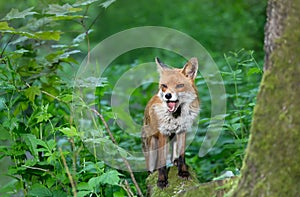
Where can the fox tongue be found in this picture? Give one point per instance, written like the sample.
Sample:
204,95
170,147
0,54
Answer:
171,105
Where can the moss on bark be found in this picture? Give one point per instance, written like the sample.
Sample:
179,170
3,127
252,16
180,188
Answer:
179,187
271,166
176,184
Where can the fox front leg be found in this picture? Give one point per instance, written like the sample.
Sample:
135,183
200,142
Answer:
182,167
162,159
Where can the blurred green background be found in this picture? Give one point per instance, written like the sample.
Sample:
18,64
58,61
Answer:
219,25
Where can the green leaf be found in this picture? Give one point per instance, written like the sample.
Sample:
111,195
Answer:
93,168
67,98
43,35
60,55
51,144
48,35
21,33
43,114
59,193
4,26
122,152
39,190
66,17
94,182
11,124
59,10
31,162
253,71
31,92
2,103
32,142
9,186
14,13
43,117
84,186
68,53
120,193
83,193
238,71
106,4
83,2
4,133
21,51
70,132
81,37
111,178
38,23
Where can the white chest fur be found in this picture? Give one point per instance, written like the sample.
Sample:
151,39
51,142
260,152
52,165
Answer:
180,121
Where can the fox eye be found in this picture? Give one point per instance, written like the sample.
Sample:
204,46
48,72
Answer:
181,85
164,86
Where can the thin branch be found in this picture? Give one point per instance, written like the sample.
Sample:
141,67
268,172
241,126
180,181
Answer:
95,19
47,93
127,188
123,158
35,168
68,173
43,170
74,158
52,96
87,29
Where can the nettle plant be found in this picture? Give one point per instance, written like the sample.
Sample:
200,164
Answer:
43,149
241,77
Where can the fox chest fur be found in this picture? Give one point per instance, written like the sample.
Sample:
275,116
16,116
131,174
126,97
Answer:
161,120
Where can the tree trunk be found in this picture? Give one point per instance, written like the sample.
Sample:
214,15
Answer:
272,163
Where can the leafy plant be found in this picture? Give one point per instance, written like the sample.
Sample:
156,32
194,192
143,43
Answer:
40,48
241,75
48,155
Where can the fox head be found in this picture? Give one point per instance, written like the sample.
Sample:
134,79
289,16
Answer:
176,86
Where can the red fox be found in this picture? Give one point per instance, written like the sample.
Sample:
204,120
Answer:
168,115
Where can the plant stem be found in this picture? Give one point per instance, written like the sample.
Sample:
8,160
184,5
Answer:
68,173
123,158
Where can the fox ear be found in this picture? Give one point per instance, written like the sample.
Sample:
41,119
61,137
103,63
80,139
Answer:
160,66
190,69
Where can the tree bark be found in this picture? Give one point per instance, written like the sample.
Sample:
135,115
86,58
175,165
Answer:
272,162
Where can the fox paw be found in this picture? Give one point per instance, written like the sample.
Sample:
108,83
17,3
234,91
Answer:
183,174
162,183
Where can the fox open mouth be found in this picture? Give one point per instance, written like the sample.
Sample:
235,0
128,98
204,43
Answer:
172,105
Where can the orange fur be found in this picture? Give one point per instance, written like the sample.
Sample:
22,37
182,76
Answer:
170,113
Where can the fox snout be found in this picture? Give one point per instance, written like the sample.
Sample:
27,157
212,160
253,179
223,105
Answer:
168,96
171,100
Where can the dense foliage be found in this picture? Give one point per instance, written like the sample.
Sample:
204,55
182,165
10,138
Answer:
42,153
